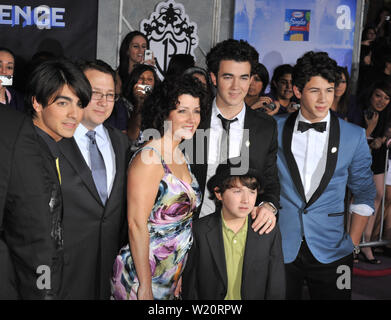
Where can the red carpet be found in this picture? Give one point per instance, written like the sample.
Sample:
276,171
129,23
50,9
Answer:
371,273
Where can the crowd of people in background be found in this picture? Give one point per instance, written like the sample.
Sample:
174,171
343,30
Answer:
133,217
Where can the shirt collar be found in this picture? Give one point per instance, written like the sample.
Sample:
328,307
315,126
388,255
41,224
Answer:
242,230
301,118
240,115
81,131
51,143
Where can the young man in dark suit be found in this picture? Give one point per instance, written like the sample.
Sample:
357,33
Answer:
231,129
228,259
94,164
31,231
319,155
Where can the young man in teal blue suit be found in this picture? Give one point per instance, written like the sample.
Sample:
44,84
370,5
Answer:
318,156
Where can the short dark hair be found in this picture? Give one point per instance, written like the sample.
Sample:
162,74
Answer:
313,64
49,77
231,49
164,99
179,63
123,68
364,35
98,65
133,77
278,72
248,181
261,71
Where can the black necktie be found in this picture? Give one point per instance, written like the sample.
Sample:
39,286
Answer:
318,126
224,145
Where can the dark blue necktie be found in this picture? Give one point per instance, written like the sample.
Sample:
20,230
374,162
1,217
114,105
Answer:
98,167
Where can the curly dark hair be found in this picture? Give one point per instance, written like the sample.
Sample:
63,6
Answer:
231,49
164,99
313,64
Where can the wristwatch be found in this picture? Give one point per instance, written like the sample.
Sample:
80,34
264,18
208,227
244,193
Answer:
356,250
269,205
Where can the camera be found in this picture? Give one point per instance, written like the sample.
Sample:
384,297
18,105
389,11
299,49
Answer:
145,89
368,113
271,106
6,80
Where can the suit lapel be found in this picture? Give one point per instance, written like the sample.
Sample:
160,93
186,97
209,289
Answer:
290,159
71,152
199,165
251,240
332,157
250,121
117,153
216,245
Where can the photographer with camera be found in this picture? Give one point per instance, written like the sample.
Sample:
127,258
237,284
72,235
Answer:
376,116
281,90
255,97
136,88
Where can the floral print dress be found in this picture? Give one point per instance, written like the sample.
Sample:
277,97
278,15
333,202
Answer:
170,235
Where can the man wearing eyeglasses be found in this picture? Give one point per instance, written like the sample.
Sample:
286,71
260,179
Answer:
93,167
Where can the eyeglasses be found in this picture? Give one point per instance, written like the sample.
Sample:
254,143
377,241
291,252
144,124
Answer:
110,97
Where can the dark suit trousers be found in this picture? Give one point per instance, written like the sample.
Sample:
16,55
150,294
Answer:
321,278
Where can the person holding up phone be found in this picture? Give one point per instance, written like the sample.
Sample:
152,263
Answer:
134,50
8,95
281,90
382,23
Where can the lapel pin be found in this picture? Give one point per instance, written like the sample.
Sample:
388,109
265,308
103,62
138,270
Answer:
247,143
333,150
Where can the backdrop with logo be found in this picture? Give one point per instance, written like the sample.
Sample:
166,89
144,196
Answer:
60,26
283,30
170,31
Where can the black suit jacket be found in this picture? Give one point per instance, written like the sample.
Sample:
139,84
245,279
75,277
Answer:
93,233
28,187
260,144
205,274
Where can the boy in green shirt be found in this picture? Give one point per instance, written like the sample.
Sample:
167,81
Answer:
228,260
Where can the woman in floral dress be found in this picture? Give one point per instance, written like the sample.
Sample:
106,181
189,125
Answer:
162,196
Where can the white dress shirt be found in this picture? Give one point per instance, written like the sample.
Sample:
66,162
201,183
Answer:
235,143
105,147
309,149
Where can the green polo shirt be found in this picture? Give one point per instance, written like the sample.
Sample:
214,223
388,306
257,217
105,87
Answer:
234,245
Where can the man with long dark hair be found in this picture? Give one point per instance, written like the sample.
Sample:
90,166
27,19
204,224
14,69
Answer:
31,229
